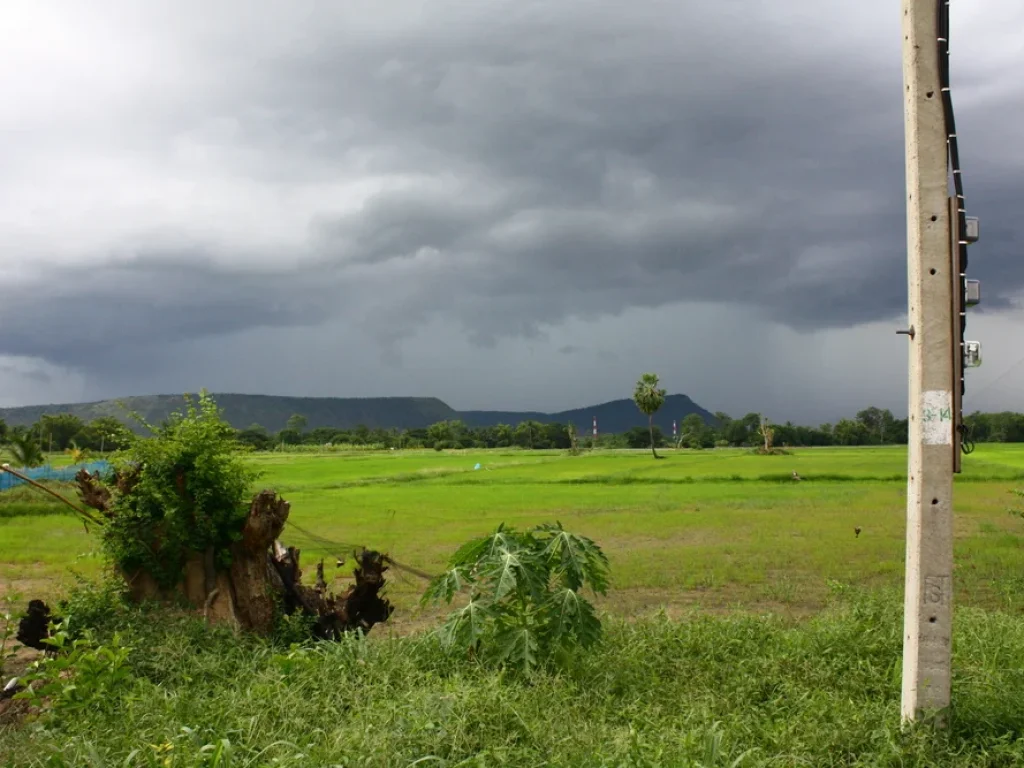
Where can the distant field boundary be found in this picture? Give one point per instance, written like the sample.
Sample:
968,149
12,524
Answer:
58,474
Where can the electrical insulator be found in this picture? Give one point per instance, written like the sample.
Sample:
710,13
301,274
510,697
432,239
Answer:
972,354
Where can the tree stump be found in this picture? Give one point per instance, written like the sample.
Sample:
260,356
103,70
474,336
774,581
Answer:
264,575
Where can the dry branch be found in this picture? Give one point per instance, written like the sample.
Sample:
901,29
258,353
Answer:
84,513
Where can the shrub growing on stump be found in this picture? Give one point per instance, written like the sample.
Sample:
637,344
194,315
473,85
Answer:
179,522
185,490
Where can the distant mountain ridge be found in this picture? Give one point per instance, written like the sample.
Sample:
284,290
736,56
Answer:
273,411
613,416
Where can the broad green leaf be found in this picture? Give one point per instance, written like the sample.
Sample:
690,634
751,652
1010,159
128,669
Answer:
572,619
506,574
588,626
470,553
563,614
578,559
517,645
472,624
445,586
466,626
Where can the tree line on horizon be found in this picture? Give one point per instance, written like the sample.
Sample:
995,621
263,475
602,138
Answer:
63,432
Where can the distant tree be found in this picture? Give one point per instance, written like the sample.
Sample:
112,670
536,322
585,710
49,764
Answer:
767,434
58,429
25,451
649,398
637,437
255,436
850,432
104,434
503,435
3,430
880,424
296,423
527,434
440,433
78,455
695,433
744,431
320,436
289,437
574,443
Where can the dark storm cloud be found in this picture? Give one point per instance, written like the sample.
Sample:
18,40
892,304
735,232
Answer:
86,317
539,162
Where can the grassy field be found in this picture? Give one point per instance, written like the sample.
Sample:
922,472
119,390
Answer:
716,529
779,643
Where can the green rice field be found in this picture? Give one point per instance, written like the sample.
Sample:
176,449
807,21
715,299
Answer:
717,529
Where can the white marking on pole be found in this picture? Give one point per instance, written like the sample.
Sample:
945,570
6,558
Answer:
937,417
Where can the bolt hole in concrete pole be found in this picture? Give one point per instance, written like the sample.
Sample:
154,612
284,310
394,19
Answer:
932,620
930,94
935,501
935,218
931,271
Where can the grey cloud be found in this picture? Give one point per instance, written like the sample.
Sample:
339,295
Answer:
575,160
32,374
89,316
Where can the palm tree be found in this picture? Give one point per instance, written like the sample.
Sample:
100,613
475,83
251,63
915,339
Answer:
649,399
78,455
25,451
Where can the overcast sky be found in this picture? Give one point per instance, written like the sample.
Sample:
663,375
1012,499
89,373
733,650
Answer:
502,204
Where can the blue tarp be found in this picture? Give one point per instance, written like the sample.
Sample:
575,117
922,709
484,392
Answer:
62,474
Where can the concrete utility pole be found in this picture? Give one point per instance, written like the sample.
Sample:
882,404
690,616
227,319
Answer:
929,562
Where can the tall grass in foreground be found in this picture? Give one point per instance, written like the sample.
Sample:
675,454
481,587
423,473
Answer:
706,691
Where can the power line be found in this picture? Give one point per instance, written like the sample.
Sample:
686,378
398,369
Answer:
966,444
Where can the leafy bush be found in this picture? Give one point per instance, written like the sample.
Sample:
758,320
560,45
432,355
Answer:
187,489
524,604
100,605
9,618
81,676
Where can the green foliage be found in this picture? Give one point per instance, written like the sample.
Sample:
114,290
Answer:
524,604
95,605
649,398
82,676
24,450
191,492
256,437
9,618
714,691
104,434
56,430
292,629
640,437
296,423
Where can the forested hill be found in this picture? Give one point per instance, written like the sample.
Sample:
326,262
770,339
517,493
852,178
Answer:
273,412
269,411
616,416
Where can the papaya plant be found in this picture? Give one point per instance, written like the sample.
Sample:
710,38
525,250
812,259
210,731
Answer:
525,608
